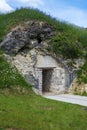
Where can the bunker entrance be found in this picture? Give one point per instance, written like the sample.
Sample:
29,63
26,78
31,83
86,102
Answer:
46,79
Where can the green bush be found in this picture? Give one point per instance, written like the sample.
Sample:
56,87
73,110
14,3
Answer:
82,73
66,47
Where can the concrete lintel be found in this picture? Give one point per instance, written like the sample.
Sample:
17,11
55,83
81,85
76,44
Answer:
46,67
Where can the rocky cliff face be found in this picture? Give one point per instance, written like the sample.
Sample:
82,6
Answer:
32,34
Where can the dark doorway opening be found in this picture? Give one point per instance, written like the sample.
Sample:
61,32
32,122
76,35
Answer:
46,79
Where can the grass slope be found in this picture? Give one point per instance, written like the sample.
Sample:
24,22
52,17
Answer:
36,113
68,37
7,21
9,76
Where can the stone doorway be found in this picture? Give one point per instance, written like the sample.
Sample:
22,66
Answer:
46,79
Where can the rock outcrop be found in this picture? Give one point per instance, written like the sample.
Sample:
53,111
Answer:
43,69
32,34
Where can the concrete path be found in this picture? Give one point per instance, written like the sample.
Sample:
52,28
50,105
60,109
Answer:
74,99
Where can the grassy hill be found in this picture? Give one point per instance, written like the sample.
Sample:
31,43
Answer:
70,41
20,108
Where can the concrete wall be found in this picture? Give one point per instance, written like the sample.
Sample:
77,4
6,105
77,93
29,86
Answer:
45,62
57,82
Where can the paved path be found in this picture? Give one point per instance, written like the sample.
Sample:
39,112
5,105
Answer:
74,99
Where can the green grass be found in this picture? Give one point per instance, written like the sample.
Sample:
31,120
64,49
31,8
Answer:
33,112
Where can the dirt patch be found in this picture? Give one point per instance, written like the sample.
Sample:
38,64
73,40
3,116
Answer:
15,90
78,88
47,108
13,129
